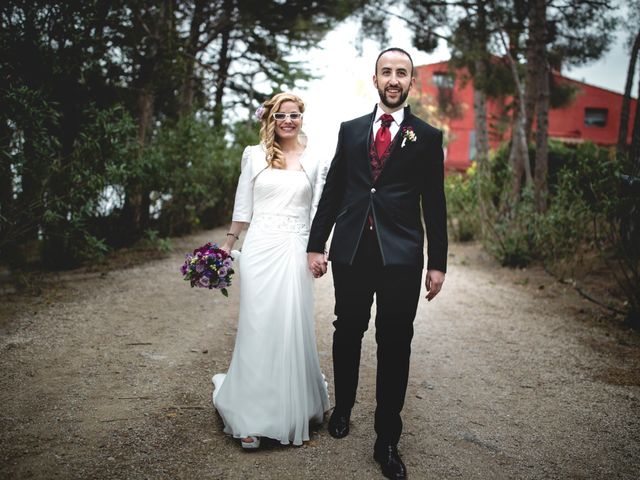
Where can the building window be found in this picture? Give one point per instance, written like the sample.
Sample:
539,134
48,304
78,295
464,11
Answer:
443,79
595,117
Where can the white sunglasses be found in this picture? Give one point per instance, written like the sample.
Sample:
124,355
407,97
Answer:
282,116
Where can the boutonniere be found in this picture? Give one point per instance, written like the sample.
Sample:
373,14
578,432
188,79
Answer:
408,134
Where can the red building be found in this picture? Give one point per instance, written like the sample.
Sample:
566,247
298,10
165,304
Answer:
593,113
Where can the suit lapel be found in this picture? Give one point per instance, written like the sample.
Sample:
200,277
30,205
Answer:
368,139
407,121
370,129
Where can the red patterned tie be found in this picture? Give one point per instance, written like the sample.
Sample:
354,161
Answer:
383,137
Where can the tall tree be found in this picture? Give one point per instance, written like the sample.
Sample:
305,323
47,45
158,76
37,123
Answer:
573,32
518,154
230,13
623,132
630,24
193,44
635,139
151,46
538,62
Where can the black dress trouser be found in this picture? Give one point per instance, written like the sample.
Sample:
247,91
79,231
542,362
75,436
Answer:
397,291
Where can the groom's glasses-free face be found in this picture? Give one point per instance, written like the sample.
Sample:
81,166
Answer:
283,116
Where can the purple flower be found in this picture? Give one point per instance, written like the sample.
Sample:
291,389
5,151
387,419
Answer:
208,267
260,112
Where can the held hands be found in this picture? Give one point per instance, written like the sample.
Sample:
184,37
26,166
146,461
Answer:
317,263
433,281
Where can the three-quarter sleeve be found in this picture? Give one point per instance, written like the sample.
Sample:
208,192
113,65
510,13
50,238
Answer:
243,206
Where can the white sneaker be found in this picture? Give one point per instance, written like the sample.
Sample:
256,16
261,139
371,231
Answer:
252,445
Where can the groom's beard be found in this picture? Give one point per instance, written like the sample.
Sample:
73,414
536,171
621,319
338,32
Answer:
390,104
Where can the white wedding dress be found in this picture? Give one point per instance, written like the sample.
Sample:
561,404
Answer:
274,387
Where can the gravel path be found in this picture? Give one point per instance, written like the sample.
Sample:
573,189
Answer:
107,375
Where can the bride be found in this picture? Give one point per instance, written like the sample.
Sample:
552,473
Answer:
274,387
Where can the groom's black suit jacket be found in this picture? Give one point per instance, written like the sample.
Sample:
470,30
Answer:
412,177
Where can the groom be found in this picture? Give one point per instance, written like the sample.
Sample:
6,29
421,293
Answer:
385,178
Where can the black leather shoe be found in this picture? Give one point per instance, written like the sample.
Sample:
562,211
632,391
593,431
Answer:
339,423
390,462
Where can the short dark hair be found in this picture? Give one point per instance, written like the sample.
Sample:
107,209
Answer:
394,49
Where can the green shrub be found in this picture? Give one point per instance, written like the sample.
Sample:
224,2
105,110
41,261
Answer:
195,174
582,207
63,204
462,205
99,158
56,185
588,215
510,239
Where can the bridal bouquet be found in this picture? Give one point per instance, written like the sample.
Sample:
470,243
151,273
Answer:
208,267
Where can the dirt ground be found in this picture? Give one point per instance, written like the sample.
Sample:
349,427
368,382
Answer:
106,374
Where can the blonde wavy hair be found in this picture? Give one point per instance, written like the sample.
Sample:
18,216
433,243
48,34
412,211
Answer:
275,157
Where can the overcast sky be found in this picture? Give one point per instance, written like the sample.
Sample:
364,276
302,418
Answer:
344,87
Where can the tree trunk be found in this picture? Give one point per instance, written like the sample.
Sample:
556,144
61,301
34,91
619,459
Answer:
542,142
626,102
538,57
224,61
630,222
146,102
191,49
635,139
6,175
482,147
136,205
480,120
6,191
530,90
480,96
531,94
519,153
28,204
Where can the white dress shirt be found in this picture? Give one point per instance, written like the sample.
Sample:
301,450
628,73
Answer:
398,117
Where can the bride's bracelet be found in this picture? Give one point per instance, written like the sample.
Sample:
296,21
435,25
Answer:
237,237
